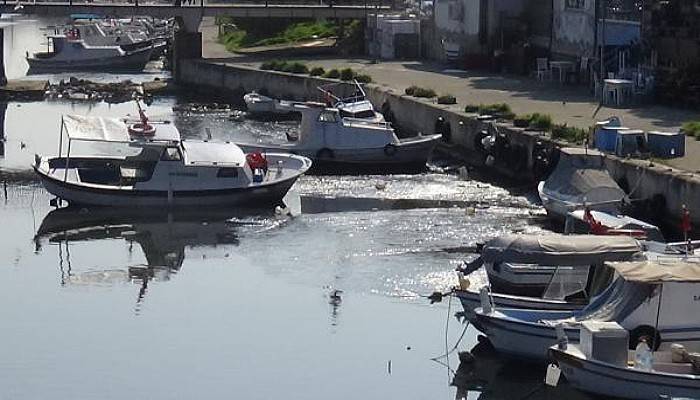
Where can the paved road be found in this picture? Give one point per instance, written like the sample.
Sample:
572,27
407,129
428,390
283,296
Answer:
574,106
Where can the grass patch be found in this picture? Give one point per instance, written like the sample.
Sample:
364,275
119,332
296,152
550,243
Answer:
333,74
536,121
317,71
363,78
283,66
691,128
569,133
541,122
251,35
446,99
501,110
347,74
416,91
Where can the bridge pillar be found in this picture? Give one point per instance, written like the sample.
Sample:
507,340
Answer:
187,45
3,111
3,77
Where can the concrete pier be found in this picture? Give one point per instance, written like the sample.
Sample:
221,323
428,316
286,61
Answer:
524,156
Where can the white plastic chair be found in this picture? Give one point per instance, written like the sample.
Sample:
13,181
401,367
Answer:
543,71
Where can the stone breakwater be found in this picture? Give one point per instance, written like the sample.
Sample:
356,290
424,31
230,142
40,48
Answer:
522,155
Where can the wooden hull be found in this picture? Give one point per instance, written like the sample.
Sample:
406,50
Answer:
254,196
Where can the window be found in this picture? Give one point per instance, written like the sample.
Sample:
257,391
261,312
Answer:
227,173
171,154
327,116
575,4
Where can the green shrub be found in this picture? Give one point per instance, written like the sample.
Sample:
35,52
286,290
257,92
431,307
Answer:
521,121
416,91
471,108
296,68
346,74
274,65
333,74
541,122
569,133
494,109
363,78
317,71
501,110
691,128
447,99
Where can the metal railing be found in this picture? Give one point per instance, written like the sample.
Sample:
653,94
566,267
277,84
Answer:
361,4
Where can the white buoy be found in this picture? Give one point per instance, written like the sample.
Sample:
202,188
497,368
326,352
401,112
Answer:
553,375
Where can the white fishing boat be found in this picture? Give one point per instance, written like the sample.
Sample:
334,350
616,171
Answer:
340,144
525,264
260,105
68,51
155,167
354,105
602,364
580,180
605,223
652,299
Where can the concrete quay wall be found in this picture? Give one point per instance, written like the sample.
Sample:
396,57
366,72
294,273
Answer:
521,155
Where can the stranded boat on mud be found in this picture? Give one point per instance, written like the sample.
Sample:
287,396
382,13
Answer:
161,169
341,144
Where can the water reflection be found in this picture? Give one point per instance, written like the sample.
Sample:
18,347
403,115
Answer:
490,377
162,237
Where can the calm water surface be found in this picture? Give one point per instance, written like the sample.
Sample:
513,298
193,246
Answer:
237,303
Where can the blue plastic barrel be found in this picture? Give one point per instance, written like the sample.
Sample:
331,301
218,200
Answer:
666,144
606,138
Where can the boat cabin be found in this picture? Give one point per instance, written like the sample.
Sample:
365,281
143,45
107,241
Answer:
162,159
327,127
657,298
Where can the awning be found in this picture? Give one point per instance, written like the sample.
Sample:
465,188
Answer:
658,271
554,249
99,129
211,153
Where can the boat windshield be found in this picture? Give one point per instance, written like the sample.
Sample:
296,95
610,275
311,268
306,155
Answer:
567,281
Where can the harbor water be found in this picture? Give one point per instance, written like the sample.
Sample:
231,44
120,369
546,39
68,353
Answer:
208,303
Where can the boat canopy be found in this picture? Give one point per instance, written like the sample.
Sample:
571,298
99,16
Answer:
582,175
658,271
554,249
99,129
210,153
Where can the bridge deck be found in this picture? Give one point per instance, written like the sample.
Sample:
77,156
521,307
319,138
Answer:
200,8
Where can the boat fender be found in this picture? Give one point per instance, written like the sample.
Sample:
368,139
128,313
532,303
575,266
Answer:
390,149
553,375
486,305
325,153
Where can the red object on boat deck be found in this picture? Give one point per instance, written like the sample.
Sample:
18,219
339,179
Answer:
256,160
597,228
